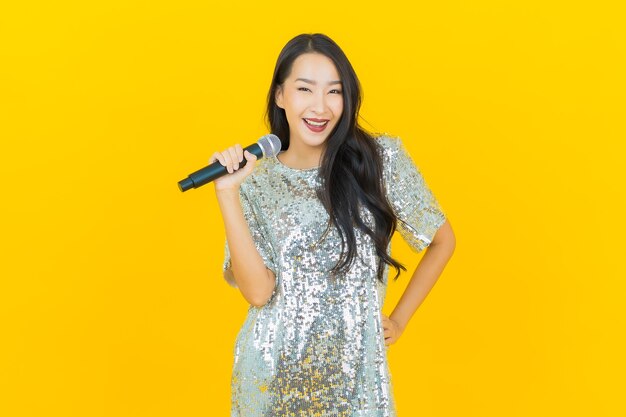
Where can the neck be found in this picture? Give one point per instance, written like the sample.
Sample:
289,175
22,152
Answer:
300,156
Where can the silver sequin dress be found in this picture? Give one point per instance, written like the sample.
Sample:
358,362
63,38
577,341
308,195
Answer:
317,347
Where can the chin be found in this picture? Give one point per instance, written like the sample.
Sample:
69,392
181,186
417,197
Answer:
314,139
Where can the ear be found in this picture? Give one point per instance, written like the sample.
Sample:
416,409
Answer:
279,97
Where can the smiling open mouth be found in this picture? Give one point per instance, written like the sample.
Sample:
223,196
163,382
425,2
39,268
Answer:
314,123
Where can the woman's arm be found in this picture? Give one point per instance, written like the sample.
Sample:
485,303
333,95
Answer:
253,279
424,278
247,267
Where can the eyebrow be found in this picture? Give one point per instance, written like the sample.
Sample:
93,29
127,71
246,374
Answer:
314,83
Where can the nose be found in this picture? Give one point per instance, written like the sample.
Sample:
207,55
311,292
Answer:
319,103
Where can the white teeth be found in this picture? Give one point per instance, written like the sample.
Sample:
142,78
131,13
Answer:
312,123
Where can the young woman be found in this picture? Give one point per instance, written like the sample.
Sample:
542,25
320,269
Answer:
307,244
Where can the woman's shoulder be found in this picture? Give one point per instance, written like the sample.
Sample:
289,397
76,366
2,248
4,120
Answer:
386,139
388,145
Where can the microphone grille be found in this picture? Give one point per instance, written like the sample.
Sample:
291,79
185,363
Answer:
270,145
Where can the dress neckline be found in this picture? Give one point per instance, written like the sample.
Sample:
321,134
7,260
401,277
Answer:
295,170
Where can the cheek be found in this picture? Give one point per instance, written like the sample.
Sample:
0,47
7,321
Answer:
337,107
297,102
294,110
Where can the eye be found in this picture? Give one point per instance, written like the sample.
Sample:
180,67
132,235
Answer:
338,91
303,89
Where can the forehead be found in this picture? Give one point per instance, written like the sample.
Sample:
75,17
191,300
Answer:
314,66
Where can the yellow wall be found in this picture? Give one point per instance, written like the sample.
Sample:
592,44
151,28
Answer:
112,301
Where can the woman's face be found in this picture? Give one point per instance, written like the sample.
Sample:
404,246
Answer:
311,93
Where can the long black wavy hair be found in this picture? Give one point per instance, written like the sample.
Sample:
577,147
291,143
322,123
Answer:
351,168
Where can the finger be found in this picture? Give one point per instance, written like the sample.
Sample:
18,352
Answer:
249,156
239,152
220,157
228,160
233,157
251,161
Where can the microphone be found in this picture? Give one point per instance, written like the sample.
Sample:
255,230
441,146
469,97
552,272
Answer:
268,145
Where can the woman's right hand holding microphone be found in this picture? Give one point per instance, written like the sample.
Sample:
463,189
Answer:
231,158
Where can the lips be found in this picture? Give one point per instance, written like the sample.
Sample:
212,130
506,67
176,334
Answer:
316,122
317,127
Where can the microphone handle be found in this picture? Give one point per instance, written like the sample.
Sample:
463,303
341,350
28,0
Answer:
215,170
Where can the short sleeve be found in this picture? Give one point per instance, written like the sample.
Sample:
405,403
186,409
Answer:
418,211
261,239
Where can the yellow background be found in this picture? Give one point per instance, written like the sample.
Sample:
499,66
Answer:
112,300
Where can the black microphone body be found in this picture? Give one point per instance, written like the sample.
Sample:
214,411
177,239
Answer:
268,145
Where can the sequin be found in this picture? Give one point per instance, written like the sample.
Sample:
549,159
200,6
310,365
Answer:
317,347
